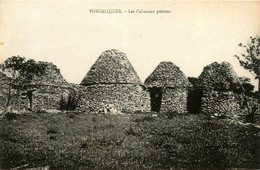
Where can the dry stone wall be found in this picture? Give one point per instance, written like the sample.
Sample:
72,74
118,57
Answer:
221,90
125,97
43,98
174,100
2,101
175,87
48,97
113,81
220,102
17,103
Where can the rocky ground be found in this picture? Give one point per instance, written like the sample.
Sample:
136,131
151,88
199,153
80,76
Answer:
90,141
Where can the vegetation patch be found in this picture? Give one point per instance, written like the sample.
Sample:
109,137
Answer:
88,141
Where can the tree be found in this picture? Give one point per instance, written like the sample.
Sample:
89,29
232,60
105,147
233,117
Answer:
18,75
250,60
247,86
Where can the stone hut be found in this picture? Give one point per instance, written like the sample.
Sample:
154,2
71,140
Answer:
48,89
44,92
168,88
220,90
113,81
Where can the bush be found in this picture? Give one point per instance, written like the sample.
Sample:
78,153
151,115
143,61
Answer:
11,116
71,103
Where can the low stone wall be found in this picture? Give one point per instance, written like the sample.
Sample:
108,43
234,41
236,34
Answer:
220,102
174,100
2,102
43,97
48,97
19,103
125,97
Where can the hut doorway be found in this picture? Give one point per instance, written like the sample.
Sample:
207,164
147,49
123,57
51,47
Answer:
156,98
29,95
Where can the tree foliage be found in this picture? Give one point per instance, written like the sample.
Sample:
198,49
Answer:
19,73
248,87
250,60
22,70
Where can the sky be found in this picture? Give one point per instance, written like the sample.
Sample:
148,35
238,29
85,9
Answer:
193,35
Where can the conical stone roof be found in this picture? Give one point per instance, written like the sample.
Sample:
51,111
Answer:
51,76
112,67
167,74
220,76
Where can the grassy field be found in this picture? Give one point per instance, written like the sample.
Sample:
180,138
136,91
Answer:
88,141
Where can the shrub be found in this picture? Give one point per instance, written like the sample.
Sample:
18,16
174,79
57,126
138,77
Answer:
70,103
11,116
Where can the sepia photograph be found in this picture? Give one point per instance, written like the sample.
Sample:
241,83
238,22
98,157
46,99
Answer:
129,85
